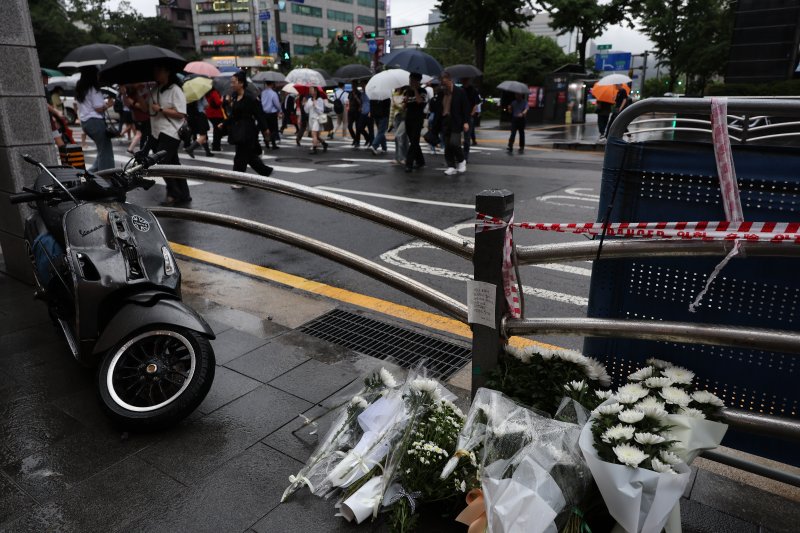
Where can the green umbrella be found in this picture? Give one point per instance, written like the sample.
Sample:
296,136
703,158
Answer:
196,88
53,73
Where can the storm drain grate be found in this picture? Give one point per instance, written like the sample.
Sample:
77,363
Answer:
384,341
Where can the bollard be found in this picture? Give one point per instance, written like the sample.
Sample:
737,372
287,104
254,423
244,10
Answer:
487,342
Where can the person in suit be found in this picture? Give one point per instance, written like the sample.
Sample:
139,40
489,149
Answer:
455,122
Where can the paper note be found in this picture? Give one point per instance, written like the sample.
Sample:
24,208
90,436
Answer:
481,302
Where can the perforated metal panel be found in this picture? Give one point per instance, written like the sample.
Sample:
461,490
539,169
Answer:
677,182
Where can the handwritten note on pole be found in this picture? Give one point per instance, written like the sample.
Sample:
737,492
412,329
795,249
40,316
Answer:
481,303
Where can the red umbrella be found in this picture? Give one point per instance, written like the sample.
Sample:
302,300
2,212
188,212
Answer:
303,90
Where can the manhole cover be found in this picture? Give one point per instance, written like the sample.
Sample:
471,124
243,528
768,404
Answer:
334,162
385,341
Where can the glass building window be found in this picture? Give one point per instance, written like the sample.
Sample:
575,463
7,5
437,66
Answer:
341,16
304,49
313,31
366,20
221,7
308,11
371,3
223,28
344,1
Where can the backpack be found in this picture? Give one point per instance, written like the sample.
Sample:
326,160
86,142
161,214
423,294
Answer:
338,106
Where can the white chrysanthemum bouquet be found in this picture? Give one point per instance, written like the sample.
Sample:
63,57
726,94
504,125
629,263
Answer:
635,449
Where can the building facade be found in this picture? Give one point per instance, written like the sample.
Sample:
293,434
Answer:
179,14
246,27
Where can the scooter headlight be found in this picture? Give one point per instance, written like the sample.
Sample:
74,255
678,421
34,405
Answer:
169,265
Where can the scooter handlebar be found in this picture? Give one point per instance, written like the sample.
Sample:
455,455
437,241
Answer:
29,159
22,197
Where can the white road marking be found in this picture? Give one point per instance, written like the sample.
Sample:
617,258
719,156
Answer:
573,194
397,198
343,165
393,257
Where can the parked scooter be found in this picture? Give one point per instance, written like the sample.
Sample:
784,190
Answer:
112,285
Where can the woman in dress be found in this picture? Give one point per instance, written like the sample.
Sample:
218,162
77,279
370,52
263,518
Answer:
315,107
92,106
243,124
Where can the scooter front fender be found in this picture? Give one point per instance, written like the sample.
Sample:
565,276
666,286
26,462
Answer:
134,316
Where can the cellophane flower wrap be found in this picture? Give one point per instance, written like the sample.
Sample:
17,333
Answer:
631,451
342,435
530,469
540,377
694,416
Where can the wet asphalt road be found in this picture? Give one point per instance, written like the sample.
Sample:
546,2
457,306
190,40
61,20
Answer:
549,186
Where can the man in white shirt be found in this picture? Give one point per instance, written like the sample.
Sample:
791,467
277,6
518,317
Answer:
340,99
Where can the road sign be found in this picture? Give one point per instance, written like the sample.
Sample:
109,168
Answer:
604,47
372,46
273,46
612,62
263,15
359,32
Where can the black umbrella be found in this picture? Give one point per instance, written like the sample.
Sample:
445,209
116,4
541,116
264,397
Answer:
353,72
413,60
136,64
462,72
89,55
222,84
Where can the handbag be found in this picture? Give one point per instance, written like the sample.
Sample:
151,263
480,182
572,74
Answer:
112,132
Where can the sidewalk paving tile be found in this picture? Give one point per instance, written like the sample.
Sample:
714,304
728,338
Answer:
28,428
314,381
745,502
12,499
269,361
699,518
233,343
232,499
228,385
300,444
307,512
104,502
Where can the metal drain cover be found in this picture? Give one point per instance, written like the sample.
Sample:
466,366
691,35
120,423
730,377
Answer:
404,347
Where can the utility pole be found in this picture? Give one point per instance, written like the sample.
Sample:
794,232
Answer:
644,68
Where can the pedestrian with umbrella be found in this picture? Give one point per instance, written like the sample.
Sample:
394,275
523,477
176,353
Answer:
92,107
271,105
317,116
519,111
215,115
243,124
606,92
415,100
455,123
195,90
167,113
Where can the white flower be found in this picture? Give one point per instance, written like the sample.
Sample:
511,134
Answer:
650,401
617,433
642,373
678,375
603,394
610,409
425,385
660,467
658,363
571,356
670,458
675,396
648,438
509,427
463,486
358,401
703,396
626,398
597,372
630,416
629,455
657,383
652,411
692,413
576,386
522,354
633,389
387,378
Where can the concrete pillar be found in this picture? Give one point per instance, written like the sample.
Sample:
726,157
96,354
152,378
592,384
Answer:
24,128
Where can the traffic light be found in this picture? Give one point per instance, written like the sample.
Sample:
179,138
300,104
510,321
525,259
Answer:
370,35
285,54
344,38
401,31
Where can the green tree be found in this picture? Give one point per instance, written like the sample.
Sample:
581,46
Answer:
449,46
589,17
480,18
51,29
346,48
522,56
337,55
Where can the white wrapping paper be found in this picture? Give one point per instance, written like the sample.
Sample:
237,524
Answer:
640,500
364,502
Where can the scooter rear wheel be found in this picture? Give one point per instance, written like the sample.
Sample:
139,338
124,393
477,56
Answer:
156,376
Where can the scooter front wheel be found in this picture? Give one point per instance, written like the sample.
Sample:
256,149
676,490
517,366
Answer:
156,376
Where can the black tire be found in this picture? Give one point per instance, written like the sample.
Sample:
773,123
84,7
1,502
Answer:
155,377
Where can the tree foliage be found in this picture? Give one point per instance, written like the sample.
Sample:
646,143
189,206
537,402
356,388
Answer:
449,46
691,37
589,17
481,18
52,29
522,56
337,55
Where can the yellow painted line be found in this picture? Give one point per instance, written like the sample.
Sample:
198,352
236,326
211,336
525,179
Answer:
417,316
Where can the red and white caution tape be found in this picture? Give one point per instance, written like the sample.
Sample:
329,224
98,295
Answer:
510,286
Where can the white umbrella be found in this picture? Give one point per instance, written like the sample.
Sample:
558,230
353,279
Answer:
306,76
614,79
289,89
382,85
